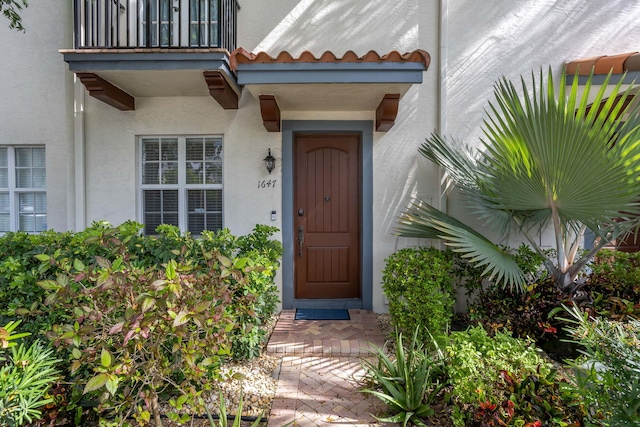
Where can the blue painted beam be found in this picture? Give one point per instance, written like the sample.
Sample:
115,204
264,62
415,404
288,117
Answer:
330,72
598,79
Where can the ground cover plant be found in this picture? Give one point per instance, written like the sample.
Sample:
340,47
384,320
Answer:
140,318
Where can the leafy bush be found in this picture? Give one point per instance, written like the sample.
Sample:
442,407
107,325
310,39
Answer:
475,361
418,285
409,383
614,285
25,377
608,376
525,314
32,258
138,333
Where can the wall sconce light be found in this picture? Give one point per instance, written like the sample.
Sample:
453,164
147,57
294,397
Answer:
270,162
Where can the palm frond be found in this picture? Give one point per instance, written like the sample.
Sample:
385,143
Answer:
423,220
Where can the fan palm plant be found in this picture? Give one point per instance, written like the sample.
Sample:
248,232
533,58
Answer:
547,159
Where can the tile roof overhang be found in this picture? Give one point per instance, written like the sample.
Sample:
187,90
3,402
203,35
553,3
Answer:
624,66
371,82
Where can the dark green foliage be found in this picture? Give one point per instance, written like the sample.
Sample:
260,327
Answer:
419,287
11,10
526,314
409,383
614,285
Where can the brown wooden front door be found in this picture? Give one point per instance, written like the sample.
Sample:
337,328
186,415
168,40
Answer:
327,216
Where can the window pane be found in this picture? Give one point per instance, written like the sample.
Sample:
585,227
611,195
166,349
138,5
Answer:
152,201
27,223
150,150
26,202
39,178
204,210
4,202
214,221
151,173
194,149
4,178
23,157
4,157
213,149
213,173
194,173
23,178
169,149
169,173
41,223
5,222
41,202
170,201
214,200
39,158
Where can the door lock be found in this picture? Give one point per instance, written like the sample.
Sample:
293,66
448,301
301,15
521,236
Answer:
300,212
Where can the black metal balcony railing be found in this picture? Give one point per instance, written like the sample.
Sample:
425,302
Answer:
121,24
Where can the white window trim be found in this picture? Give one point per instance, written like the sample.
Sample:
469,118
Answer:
182,185
14,191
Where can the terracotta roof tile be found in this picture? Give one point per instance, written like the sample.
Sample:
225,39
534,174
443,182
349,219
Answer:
617,64
241,56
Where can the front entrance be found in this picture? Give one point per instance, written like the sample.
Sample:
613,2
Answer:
326,217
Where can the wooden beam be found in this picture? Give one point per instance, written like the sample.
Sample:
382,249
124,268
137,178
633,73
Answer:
387,111
221,90
106,92
270,113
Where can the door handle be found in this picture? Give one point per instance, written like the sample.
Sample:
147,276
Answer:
300,240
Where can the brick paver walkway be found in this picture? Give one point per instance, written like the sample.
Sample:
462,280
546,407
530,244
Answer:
320,371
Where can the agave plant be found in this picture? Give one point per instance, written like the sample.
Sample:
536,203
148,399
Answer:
547,159
409,383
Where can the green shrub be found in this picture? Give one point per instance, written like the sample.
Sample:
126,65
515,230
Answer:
33,258
418,286
475,361
25,377
502,380
608,376
614,285
139,333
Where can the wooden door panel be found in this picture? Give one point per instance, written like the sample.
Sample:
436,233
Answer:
327,192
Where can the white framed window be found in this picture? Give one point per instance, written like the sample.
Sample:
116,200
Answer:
181,182
23,183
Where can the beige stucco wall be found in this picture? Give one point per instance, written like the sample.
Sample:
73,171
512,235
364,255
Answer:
513,38
35,89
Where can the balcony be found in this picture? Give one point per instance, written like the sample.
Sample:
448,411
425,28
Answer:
124,49
122,24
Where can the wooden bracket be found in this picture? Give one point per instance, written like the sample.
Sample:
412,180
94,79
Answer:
106,92
387,112
221,90
270,113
